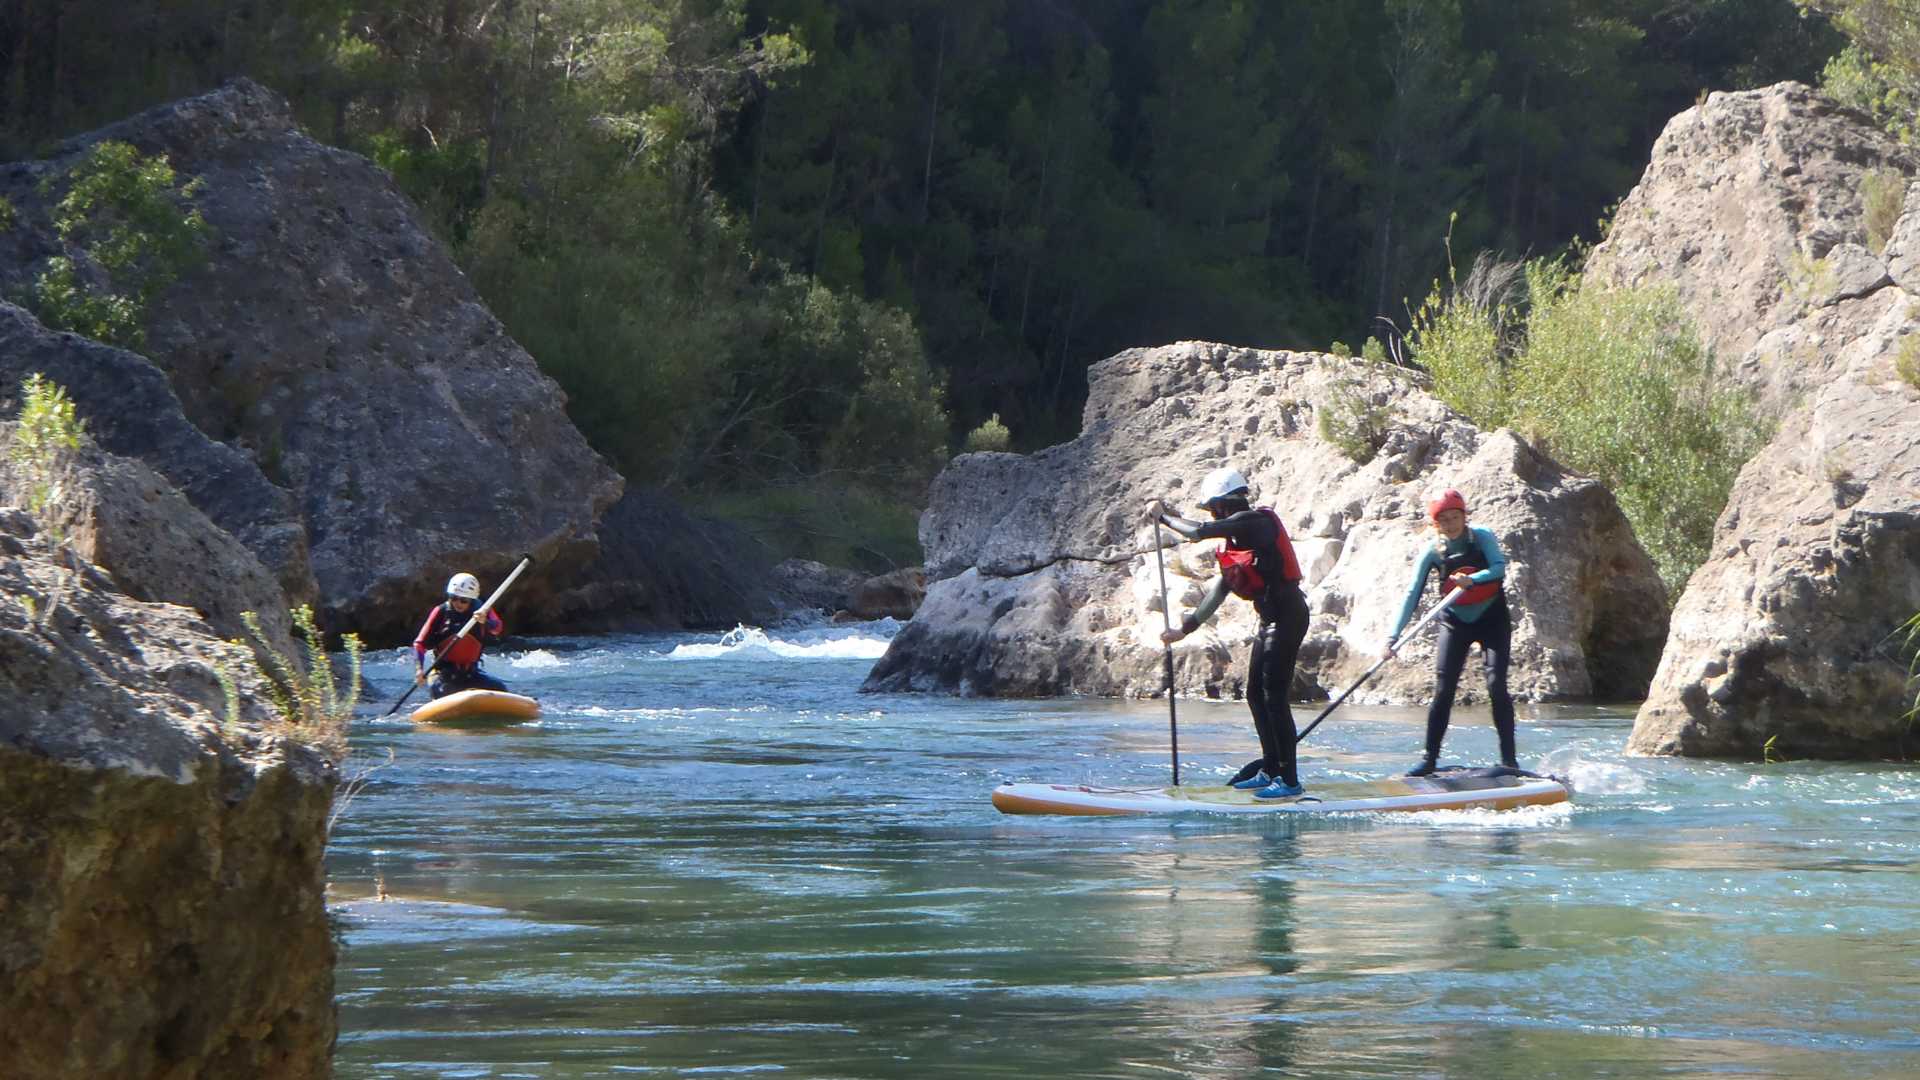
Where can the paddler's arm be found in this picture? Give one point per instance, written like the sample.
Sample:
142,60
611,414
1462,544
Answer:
1407,606
420,646
1158,514
1199,616
1496,559
1196,618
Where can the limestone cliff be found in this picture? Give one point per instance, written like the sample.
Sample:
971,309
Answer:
1043,579
1754,208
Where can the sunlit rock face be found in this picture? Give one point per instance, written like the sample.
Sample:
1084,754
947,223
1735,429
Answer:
1754,209
1043,578
161,908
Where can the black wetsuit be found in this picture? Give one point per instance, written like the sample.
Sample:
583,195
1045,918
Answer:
1493,630
1276,645
1487,622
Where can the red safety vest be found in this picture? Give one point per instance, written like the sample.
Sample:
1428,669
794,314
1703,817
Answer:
1240,566
443,623
1473,594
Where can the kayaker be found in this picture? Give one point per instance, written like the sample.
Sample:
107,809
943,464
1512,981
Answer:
458,667
1257,564
1466,557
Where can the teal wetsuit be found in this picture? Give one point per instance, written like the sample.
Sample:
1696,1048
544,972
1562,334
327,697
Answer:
1488,623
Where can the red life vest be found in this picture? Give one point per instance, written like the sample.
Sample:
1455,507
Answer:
1456,563
1241,566
443,623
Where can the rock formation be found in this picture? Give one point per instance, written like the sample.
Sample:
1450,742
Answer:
123,517
893,595
1043,579
131,411
659,567
334,340
161,910
1753,208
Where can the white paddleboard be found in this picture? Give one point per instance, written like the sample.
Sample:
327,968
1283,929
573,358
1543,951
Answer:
1447,789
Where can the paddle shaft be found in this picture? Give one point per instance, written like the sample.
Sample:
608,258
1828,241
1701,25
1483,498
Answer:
1166,620
472,621
1445,602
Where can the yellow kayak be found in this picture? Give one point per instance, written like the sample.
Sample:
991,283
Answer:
478,705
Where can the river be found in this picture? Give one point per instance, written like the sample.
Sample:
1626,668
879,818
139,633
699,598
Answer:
714,857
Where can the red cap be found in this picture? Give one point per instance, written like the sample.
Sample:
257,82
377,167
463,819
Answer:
1445,500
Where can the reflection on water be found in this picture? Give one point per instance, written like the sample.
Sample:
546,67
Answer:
712,856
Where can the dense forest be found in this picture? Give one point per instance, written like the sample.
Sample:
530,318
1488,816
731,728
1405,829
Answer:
830,238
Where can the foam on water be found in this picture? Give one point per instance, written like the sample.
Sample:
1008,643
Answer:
1522,817
751,642
1605,778
531,660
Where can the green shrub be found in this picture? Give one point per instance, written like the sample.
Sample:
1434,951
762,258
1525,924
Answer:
992,435
1911,630
1884,194
1856,80
1340,348
305,692
127,223
1463,337
8,215
1615,383
1351,421
48,432
1906,360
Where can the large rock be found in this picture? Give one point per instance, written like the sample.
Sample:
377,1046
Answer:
161,908
1751,207
130,410
814,587
1781,643
658,568
896,594
331,337
125,518
1045,583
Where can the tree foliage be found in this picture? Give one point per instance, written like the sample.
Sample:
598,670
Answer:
767,239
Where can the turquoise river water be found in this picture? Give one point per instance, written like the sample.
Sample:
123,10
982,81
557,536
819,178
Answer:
714,857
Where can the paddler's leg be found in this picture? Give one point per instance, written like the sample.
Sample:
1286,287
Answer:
480,680
1257,704
1282,639
1496,649
1450,658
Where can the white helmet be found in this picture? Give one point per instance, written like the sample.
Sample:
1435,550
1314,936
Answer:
464,587
1221,483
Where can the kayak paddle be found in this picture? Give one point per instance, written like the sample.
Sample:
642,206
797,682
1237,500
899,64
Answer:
1445,602
1166,620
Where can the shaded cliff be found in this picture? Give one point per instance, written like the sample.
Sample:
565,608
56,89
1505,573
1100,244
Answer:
331,339
160,864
